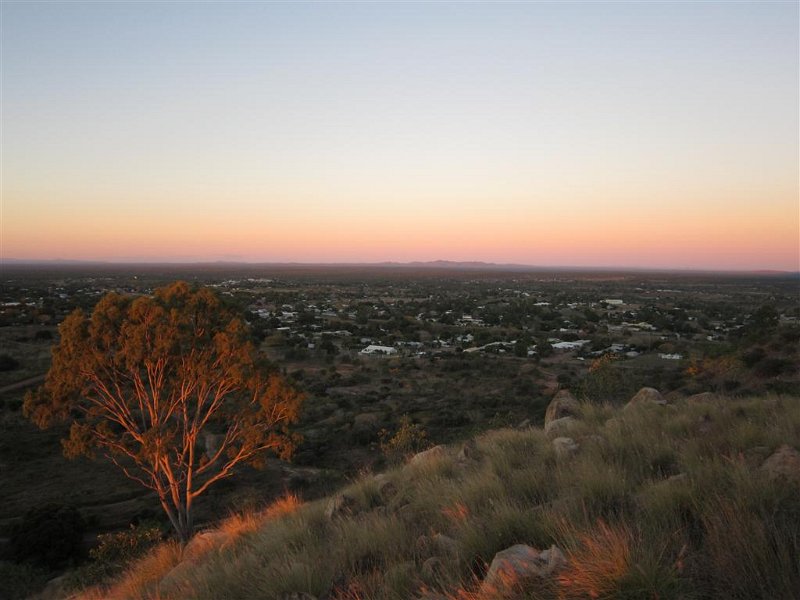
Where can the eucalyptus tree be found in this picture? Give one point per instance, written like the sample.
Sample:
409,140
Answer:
171,389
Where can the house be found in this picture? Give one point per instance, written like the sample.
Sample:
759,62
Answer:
373,349
570,345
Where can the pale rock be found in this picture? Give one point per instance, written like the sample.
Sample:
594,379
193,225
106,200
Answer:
563,404
702,398
784,464
428,455
432,567
468,452
386,487
204,542
565,447
341,505
647,395
559,427
515,565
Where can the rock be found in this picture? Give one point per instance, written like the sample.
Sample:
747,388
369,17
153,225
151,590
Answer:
516,564
703,397
203,542
565,447
366,420
755,456
445,545
563,404
386,487
427,455
597,440
300,477
468,452
558,427
437,545
341,505
54,588
784,464
432,567
647,395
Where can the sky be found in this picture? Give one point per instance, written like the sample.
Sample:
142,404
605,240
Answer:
633,134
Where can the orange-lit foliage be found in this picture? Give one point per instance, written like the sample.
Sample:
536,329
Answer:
457,513
239,524
600,560
604,362
171,389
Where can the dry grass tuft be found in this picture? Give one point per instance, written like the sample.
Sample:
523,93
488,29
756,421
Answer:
598,562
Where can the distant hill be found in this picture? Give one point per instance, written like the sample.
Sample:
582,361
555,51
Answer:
445,265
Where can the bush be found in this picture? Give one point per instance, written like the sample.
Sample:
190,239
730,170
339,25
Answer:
49,535
115,551
409,439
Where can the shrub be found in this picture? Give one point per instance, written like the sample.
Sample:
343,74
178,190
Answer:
409,439
49,535
114,552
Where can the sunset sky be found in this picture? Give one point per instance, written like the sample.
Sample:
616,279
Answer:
635,134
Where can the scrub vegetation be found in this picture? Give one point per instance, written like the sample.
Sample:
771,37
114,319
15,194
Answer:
662,502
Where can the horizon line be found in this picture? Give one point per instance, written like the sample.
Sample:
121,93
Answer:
440,263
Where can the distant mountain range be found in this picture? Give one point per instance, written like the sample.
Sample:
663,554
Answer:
433,264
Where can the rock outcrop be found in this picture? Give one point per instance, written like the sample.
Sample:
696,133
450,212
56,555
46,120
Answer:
784,464
702,397
427,455
517,564
559,427
647,395
563,404
341,505
565,447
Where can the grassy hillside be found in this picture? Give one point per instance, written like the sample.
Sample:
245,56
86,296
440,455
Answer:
651,501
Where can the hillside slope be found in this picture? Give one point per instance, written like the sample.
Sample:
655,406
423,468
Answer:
697,499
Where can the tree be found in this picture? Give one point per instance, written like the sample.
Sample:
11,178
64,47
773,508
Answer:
169,388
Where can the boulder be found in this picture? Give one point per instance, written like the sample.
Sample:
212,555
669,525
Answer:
515,565
428,455
784,464
468,452
558,427
437,544
565,447
386,487
341,505
203,542
647,395
702,397
563,404
55,588
432,567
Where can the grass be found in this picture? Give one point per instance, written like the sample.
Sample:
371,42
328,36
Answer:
659,502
